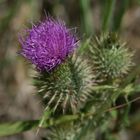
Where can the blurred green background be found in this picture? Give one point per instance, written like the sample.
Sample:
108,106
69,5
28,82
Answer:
88,18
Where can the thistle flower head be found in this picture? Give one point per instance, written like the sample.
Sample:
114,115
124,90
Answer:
47,44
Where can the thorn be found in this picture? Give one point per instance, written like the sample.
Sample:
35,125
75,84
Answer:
40,125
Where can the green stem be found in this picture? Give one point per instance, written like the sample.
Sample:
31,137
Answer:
86,17
10,13
119,15
108,11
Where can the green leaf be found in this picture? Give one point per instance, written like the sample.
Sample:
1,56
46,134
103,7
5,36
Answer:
84,46
108,10
114,113
17,127
12,128
86,17
119,15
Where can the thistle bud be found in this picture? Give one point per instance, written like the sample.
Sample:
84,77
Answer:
111,58
68,87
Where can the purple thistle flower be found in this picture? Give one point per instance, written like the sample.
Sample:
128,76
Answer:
48,44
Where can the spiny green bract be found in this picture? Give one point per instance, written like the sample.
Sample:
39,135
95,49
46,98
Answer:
62,133
71,132
68,87
111,58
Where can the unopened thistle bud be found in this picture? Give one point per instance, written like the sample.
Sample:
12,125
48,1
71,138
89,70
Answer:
68,87
111,58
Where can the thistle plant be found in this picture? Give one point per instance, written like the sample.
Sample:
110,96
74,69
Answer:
64,80
85,86
68,82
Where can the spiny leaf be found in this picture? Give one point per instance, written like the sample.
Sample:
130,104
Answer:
17,127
